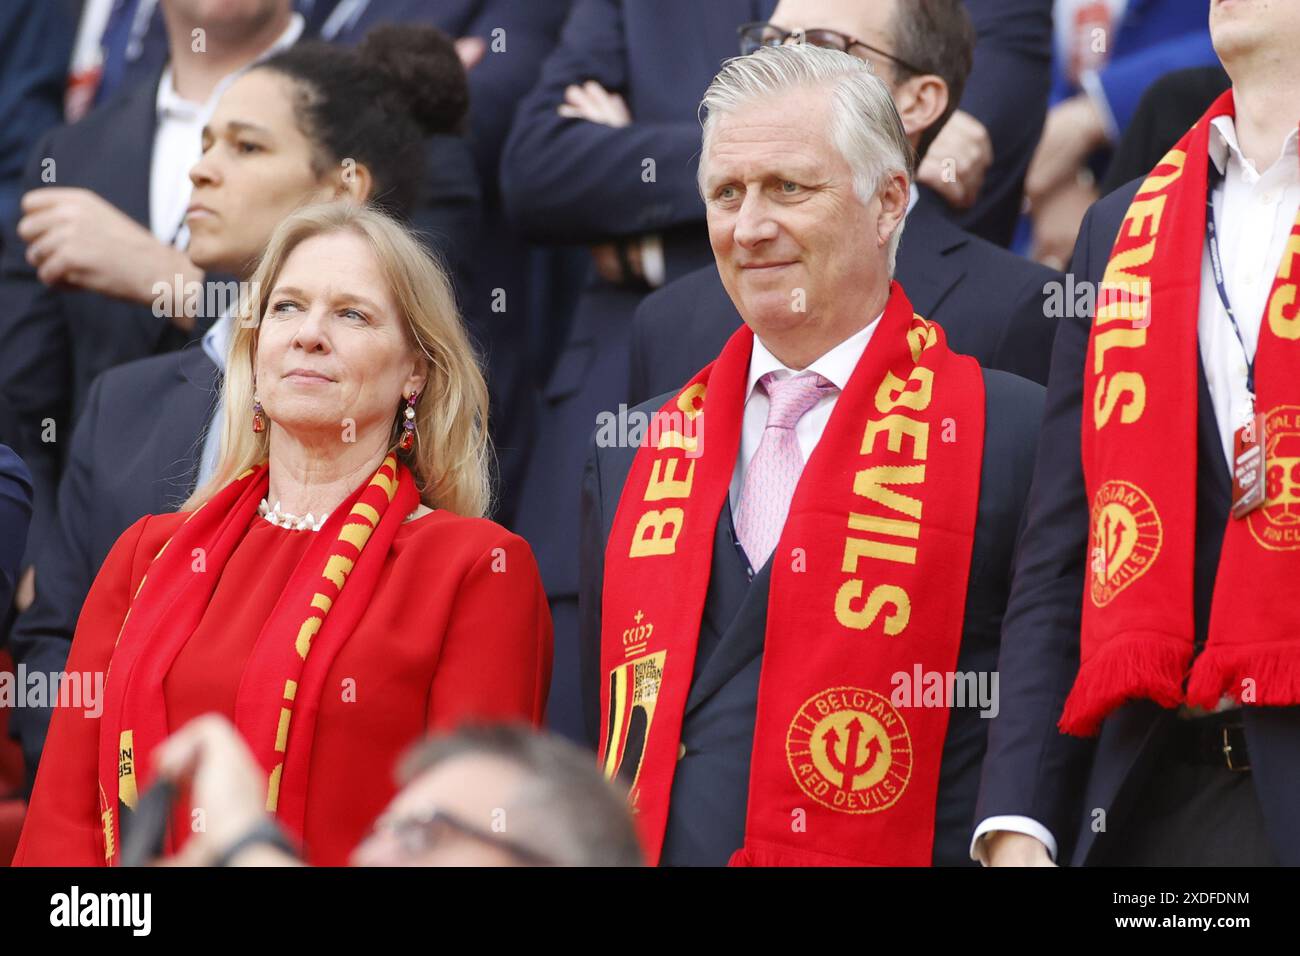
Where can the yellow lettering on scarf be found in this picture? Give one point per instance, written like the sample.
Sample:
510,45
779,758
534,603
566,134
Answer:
894,393
1125,296
1176,158
855,548
650,539
691,400
657,531
664,482
896,426
322,601
870,483
305,633
1109,394
1281,324
881,595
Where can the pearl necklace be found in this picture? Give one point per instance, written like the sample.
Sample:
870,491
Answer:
280,519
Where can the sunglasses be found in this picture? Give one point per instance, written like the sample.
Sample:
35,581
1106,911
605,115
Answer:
761,34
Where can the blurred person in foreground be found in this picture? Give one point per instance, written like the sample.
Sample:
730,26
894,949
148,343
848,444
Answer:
333,588
488,795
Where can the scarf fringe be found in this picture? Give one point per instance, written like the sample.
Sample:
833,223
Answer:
1268,677
1135,664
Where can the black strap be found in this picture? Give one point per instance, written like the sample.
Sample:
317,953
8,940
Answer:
265,832
1216,262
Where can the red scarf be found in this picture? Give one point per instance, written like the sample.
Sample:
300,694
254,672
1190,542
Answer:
279,692
1139,462
868,579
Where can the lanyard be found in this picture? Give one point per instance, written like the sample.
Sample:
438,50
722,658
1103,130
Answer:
1216,262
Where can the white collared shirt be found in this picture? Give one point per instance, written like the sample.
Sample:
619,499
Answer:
836,366
178,144
1255,213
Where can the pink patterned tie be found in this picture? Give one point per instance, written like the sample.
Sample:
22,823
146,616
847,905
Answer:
774,470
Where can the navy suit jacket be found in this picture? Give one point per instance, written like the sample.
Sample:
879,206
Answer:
710,786
1032,769
15,513
134,452
990,302
496,293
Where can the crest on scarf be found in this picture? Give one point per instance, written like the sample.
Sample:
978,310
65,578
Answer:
1276,525
633,694
1126,539
849,750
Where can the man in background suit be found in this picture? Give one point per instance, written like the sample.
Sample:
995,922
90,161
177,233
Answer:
785,214
503,44
1162,783
990,302
602,154
102,217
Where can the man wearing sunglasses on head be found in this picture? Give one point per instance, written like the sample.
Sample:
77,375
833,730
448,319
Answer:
990,302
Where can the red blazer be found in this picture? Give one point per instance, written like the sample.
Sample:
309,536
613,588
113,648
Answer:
458,629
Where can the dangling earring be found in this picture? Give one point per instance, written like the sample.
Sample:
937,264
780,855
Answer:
259,420
407,441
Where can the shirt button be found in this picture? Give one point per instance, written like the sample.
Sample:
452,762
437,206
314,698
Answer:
681,751
1268,199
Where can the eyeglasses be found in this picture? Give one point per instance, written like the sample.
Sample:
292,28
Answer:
419,833
761,34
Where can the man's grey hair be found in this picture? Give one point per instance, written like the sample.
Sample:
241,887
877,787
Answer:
865,125
564,809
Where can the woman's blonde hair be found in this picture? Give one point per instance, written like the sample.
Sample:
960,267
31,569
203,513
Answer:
450,459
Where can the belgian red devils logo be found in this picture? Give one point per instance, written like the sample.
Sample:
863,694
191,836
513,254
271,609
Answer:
1276,525
849,750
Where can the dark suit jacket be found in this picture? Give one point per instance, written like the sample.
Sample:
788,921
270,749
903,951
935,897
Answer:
1166,111
570,181
58,340
134,452
990,303
15,513
496,293
1007,92
710,787
1031,768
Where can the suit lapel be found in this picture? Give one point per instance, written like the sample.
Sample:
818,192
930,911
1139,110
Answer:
926,267
736,609
183,423
1208,426
138,125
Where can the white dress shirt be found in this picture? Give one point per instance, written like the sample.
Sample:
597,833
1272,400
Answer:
178,144
1254,213
836,366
